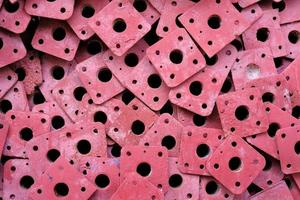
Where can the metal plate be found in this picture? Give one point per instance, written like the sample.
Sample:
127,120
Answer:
197,146
7,79
247,165
166,131
3,134
291,36
243,116
150,162
122,30
175,52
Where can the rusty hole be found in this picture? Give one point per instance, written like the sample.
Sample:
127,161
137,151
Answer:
63,10
137,127
131,60
26,182
61,189
100,116
262,34
59,34
140,5
235,164
94,47
176,56
105,75
195,88
268,164
214,22
102,181
1,43
273,128
119,25
167,108
278,5
211,61
154,81
116,150
268,97
79,92
199,120
88,11
202,150
241,113
211,187
144,169
57,72
175,180
293,36
53,155
169,142
227,85
57,122
21,73
127,97
84,147
295,111
5,106
26,134
38,97
11,7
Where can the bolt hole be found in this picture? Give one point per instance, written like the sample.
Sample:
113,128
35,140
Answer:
137,127
119,25
202,150
294,36
84,147
57,122
61,189
131,60
102,181
5,106
211,187
176,56
144,169
195,88
88,12
26,182
105,75
53,155
262,34
26,134
57,72
154,81
100,116
241,113
235,163
11,7
273,128
214,22
79,92
175,180
169,142
59,34
140,5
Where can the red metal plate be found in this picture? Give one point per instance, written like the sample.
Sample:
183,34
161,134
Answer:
18,178
197,22
22,130
277,119
199,93
132,124
97,78
16,21
53,183
12,48
197,146
3,134
122,30
277,192
7,79
149,162
83,12
264,32
59,9
31,65
252,64
56,38
252,13
168,21
287,140
136,187
242,116
166,131
104,173
291,36
175,52
235,164
210,189
182,186
146,84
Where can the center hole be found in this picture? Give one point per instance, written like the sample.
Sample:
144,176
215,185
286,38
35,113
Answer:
84,146
297,147
5,106
176,56
143,169
175,180
104,75
154,81
102,181
211,187
202,150
138,127
235,163
294,36
195,88
214,22
262,34
241,113
58,72
59,34
88,12
79,92
253,71
11,7
26,134
21,73
268,97
100,116
119,25
140,5
169,142
53,154
273,128
61,189
57,122
26,182
131,60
